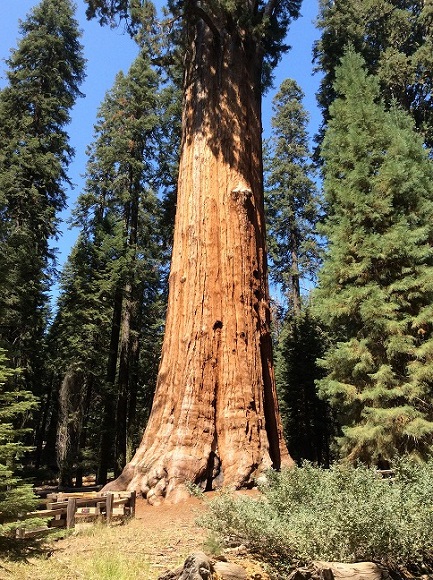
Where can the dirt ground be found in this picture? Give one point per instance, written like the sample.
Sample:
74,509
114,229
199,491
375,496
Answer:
172,531
176,533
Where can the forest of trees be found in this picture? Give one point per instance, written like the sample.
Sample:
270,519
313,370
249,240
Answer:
149,301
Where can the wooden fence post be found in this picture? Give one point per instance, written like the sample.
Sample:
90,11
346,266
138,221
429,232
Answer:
70,512
109,507
132,499
21,533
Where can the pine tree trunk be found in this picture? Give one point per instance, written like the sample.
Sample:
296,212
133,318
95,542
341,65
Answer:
79,472
123,380
132,429
295,287
72,405
109,408
42,428
215,419
129,313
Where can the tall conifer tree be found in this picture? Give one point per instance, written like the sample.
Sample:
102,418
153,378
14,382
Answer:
215,414
44,75
291,199
395,38
78,341
376,286
118,214
292,210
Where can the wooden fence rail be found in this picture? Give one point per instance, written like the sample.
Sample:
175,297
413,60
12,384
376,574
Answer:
62,510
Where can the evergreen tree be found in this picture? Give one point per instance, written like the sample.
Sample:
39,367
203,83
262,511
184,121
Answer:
168,152
307,420
118,284
43,83
376,287
78,341
15,496
395,37
292,211
291,199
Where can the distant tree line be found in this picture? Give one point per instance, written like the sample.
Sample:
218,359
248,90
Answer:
351,222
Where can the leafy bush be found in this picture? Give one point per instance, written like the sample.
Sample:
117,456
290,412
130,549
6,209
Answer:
343,514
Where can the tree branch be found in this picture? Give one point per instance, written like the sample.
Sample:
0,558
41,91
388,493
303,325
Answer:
198,10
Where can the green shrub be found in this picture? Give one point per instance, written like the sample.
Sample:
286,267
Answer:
16,497
342,514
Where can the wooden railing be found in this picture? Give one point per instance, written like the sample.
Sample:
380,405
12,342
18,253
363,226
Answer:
62,510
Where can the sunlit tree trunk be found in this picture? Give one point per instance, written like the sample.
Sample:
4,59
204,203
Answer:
123,382
215,419
74,392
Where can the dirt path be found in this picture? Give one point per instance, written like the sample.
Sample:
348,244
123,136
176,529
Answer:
172,531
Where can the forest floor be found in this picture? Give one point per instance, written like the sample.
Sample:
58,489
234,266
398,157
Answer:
158,539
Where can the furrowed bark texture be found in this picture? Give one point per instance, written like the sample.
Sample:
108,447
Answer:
215,418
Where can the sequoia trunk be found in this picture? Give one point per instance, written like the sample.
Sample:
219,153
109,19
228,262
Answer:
215,419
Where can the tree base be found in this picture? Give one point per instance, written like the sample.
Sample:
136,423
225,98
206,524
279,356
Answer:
167,480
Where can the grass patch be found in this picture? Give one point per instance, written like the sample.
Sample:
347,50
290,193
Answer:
116,566
96,552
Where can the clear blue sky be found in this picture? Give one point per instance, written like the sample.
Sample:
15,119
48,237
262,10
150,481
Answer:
107,51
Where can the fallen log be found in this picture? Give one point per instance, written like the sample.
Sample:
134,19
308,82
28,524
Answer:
340,571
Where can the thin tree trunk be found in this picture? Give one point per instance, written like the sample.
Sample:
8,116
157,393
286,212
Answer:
109,407
295,287
41,430
83,433
49,453
129,312
123,381
131,430
72,401
215,419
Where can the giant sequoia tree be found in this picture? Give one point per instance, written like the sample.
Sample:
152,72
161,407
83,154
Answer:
215,419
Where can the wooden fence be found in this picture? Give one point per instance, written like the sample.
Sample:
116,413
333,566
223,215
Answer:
62,510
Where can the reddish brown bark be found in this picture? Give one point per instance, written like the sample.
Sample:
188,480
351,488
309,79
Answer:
215,417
